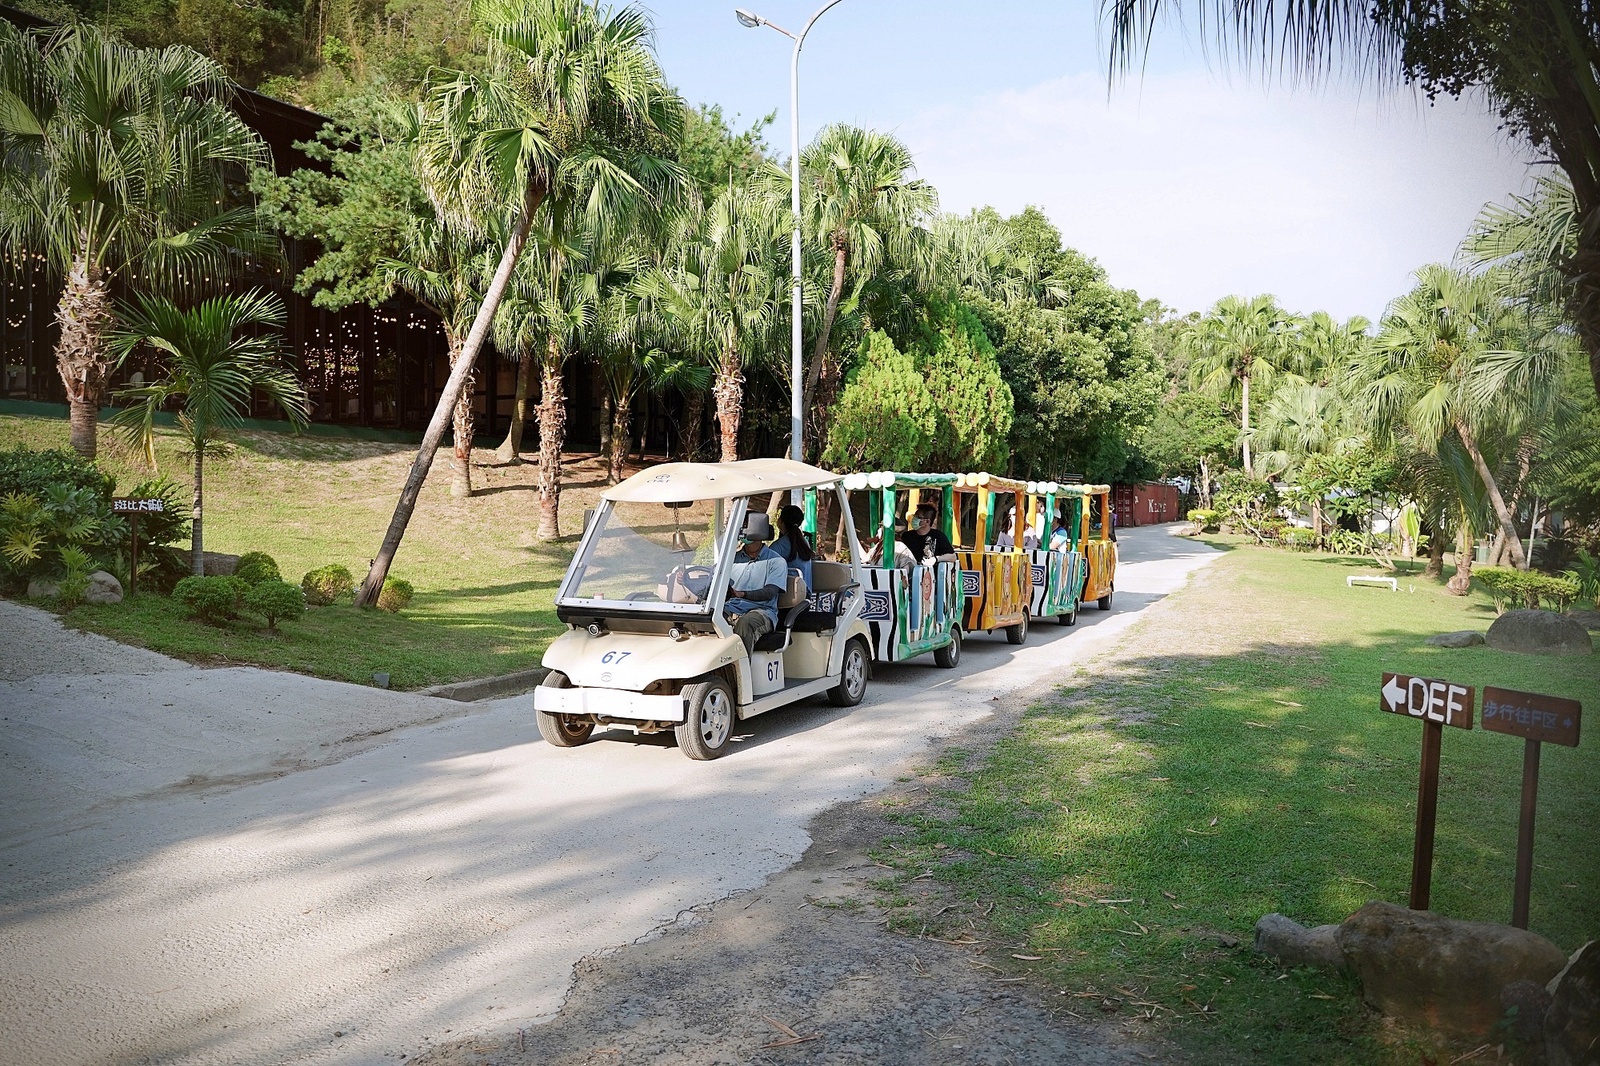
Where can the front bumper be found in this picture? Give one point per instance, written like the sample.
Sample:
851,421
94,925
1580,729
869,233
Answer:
609,703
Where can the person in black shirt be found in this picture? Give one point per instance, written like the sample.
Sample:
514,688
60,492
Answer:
924,539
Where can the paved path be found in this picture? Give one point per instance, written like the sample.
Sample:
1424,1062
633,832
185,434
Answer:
439,884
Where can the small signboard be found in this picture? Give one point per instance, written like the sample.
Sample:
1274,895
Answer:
1430,699
1531,715
138,505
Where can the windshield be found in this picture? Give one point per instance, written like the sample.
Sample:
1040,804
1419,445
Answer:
646,554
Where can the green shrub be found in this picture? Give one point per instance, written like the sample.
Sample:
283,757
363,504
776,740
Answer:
256,567
273,599
1297,539
1528,588
76,566
1203,518
36,528
1585,574
32,471
211,599
396,594
327,585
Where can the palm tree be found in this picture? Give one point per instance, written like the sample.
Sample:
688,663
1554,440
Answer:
1241,343
862,205
723,292
444,270
569,108
214,358
113,162
1434,365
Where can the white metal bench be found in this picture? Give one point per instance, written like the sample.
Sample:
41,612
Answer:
1372,579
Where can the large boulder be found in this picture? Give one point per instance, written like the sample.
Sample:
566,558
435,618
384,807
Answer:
1461,638
44,588
1292,944
1539,633
103,588
1440,973
220,564
1572,1023
1586,618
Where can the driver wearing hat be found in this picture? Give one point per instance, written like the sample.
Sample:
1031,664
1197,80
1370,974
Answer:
755,582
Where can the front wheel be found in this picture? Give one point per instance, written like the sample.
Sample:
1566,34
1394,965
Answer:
708,723
563,730
1018,633
949,655
852,676
1104,603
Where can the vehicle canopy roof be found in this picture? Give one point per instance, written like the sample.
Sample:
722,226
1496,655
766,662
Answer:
687,482
889,479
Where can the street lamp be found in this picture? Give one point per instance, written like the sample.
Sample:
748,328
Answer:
796,383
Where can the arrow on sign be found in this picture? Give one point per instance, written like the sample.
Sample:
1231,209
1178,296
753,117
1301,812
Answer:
1430,699
1394,694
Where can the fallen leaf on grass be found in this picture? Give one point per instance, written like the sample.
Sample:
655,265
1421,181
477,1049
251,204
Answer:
780,1027
1169,895
1212,822
1258,725
1128,900
1319,995
1289,703
1029,958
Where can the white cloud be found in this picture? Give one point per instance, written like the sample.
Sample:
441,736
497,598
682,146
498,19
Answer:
1188,189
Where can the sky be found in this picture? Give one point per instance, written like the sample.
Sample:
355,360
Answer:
1187,182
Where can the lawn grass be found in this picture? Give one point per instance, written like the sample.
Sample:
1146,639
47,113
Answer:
1248,772
484,586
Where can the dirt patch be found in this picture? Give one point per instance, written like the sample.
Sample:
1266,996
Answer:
804,970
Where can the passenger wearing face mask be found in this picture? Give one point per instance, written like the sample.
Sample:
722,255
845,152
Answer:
928,544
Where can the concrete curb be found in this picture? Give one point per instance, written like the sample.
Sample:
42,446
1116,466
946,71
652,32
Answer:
488,688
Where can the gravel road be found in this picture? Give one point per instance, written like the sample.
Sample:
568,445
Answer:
208,866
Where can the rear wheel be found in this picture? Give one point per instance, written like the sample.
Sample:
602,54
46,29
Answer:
1069,618
1104,603
1018,633
949,655
708,725
562,730
852,676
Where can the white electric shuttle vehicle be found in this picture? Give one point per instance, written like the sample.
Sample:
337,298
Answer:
648,646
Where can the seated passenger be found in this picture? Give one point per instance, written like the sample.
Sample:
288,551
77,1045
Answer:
756,580
927,543
1008,539
793,545
1059,537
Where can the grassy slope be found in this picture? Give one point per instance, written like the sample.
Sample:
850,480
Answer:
484,588
1250,773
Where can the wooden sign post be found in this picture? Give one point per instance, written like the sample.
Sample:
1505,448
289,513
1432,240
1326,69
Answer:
1438,704
133,507
1536,719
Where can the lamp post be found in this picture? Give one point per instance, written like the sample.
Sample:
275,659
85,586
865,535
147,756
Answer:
796,379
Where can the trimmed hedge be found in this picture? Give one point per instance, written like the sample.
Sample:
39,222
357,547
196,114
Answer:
1527,587
211,599
395,595
275,599
256,567
327,585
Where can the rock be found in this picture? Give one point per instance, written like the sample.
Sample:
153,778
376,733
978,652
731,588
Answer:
103,588
1572,1024
1292,944
1539,633
1447,975
1586,619
43,588
1523,1004
1461,638
220,564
